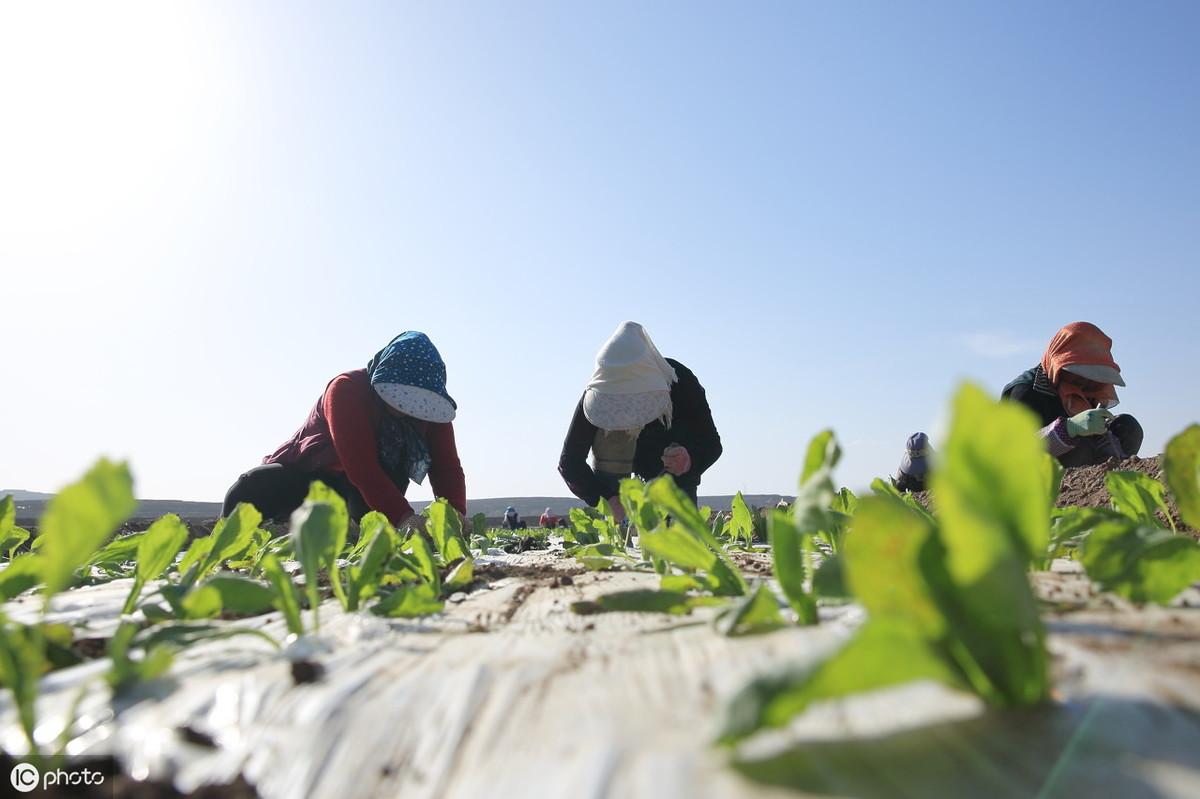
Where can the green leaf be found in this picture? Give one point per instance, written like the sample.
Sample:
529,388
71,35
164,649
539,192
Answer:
364,576
889,554
461,576
197,551
682,583
314,536
11,536
202,602
679,548
426,567
479,524
1141,563
756,613
241,594
883,653
670,499
829,579
231,535
1181,468
156,551
1138,496
742,523
445,527
22,663
640,600
993,508
117,551
22,573
408,601
80,519
286,598
998,482
790,564
185,634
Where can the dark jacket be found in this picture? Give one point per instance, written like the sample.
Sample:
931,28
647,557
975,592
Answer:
691,427
1033,390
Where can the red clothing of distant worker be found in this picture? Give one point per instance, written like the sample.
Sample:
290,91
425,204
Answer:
548,520
340,436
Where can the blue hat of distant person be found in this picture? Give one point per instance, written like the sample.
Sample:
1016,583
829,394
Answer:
915,461
410,376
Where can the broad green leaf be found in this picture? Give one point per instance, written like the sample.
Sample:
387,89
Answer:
742,523
231,535
678,548
11,536
682,583
241,594
815,496
790,564
22,663
408,601
829,579
479,522
22,573
581,530
883,562
883,653
287,600
184,634
314,537
639,600
423,558
460,576
1141,563
156,550
639,509
993,509
197,551
202,602
445,527
823,453
119,550
845,502
80,519
1181,468
160,545
671,500
1138,496
756,613
992,480
364,576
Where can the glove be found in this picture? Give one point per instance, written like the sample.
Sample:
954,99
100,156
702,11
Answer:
676,460
1088,423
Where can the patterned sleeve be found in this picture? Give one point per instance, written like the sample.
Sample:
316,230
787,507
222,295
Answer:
1058,443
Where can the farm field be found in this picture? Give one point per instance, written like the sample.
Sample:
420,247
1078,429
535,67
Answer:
851,646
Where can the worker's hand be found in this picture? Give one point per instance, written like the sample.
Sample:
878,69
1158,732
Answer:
1088,423
618,512
676,460
414,523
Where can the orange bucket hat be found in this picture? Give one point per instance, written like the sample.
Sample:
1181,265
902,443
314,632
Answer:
1084,350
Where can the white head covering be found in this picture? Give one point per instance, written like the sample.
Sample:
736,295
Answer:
631,386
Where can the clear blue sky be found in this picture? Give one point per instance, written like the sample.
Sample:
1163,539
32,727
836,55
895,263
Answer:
832,212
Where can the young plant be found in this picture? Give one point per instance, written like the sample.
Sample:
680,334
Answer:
948,601
156,552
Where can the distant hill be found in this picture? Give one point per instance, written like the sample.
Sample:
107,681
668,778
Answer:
30,505
18,495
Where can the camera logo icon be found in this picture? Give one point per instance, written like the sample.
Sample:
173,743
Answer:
25,777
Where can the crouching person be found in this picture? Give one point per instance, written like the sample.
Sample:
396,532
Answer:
370,433
641,414
1072,392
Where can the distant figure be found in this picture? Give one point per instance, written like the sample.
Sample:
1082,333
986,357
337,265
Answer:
548,520
914,464
639,414
1072,392
371,431
512,519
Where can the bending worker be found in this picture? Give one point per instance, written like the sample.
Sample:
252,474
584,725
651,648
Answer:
370,433
639,414
1072,391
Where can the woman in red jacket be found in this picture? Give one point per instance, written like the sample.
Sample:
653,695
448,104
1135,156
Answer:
371,432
